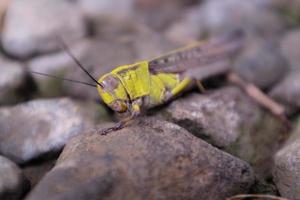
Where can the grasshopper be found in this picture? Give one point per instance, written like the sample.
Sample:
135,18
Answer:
132,89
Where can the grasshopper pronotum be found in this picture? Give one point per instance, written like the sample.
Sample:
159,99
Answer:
129,89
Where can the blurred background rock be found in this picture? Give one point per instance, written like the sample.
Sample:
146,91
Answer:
37,113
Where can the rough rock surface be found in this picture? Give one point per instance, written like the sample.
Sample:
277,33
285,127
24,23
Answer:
12,80
38,127
153,159
288,91
230,120
13,183
287,167
31,26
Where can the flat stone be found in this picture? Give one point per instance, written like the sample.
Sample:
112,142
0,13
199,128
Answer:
13,183
228,119
31,26
287,167
40,127
153,158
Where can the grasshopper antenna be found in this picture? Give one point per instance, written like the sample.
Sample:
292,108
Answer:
66,48
64,79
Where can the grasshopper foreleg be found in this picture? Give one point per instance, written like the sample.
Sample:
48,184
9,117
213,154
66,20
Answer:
135,111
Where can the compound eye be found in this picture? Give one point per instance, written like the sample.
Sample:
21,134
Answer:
119,106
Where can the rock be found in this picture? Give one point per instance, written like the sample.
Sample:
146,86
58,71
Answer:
31,26
160,14
287,167
288,91
153,158
40,127
13,81
230,120
214,16
13,183
261,63
289,48
106,9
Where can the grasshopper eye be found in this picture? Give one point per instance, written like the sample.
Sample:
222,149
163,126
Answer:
119,106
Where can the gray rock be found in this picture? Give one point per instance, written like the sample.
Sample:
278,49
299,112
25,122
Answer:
38,127
230,120
159,14
288,91
153,159
290,48
12,80
31,26
261,63
287,167
107,9
13,183
214,16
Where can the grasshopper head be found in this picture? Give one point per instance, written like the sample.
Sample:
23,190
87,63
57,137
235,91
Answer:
113,93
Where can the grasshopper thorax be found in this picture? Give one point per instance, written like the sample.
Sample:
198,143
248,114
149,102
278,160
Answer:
113,93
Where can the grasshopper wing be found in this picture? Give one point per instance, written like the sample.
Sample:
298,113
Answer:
199,54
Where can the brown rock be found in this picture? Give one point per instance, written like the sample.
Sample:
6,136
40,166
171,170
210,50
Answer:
229,119
153,159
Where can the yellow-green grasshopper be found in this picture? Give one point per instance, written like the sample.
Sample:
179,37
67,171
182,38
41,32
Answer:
131,89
